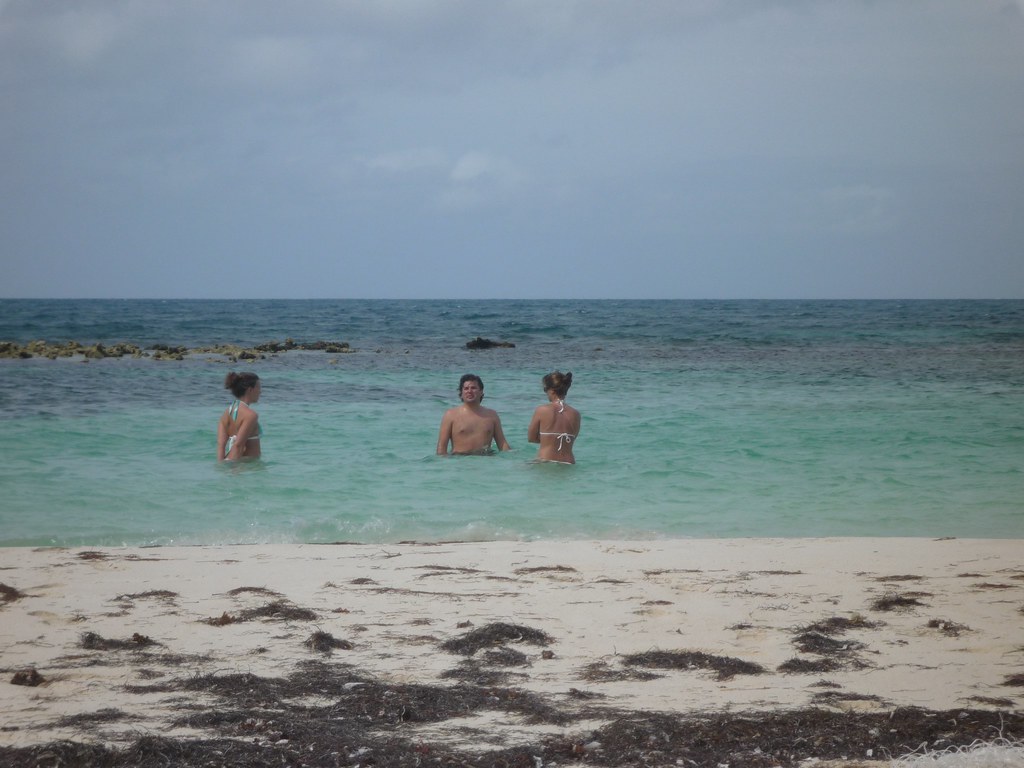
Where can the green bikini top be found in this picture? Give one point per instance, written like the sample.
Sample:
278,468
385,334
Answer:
233,412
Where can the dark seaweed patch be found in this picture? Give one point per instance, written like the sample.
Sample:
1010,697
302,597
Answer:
505,657
993,702
223,620
495,635
475,673
991,585
253,591
158,594
546,569
94,642
816,642
896,602
325,642
29,677
92,555
599,672
837,625
832,697
93,718
724,667
949,628
260,722
279,610
799,666
9,594
441,570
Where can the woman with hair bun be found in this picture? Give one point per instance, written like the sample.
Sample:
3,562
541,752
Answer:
238,431
555,425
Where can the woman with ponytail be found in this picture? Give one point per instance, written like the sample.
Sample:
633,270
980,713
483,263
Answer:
555,425
238,431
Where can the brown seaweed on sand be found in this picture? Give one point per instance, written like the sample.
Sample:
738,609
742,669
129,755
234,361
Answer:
600,672
724,667
816,642
819,639
92,555
545,569
253,591
948,628
94,642
493,635
279,610
837,625
29,677
799,666
9,594
91,718
475,673
256,722
325,642
896,602
155,594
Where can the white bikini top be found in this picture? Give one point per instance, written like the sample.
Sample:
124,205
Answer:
567,437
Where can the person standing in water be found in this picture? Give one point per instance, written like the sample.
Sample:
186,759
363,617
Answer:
555,425
238,431
470,428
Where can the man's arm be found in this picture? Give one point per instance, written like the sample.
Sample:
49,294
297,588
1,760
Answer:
499,435
445,435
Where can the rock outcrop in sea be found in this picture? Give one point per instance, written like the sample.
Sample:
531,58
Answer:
481,343
52,351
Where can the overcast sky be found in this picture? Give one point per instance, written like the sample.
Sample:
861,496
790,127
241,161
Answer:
512,149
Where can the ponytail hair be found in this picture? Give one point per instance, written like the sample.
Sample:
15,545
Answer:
240,383
558,383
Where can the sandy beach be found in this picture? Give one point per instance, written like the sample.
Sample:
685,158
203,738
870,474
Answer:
512,653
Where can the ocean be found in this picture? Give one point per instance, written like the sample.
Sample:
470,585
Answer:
700,419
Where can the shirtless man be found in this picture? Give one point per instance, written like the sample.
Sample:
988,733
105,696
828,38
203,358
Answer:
470,428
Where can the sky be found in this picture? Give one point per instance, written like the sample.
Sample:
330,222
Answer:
512,149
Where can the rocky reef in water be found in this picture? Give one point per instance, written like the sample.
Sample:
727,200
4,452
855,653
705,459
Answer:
52,351
481,343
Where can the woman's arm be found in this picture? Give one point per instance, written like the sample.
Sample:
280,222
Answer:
248,425
222,438
533,431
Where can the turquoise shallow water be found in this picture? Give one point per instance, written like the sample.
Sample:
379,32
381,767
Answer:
701,419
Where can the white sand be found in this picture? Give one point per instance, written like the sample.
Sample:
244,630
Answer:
599,601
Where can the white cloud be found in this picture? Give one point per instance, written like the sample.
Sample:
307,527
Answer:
480,179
